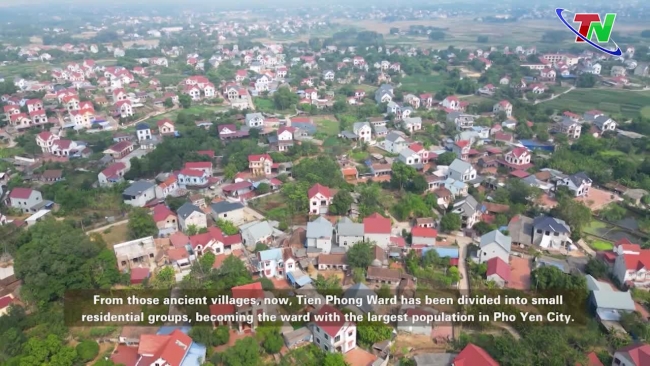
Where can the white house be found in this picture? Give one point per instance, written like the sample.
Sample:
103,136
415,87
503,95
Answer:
276,262
578,183
461,171
394,143
503,106
363,131
143,131
192,178
332,333
319,234
139,193
255,120
378,229
495,244
320,198
190,215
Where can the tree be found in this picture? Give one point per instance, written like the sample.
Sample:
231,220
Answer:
168,103
613,212
203,334
273,342
245,352
401,174
230,171
446,158
259,247
586,80
341,203
227,227
284,98
48,351
71,260
384,292
164,279
552,278
596,268
185,100
450,222
369,333
263,188
87,350
360,255
221,335
334,359
141,224
575,213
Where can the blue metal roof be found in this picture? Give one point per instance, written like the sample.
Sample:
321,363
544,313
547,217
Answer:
302,281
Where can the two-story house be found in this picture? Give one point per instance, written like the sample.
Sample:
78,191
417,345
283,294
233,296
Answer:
517,158
332,333
348,232
165,219
412,124
394,143
579,184
423,236
410,158
25,199
143,131
494,245
193,178
45,140
319,234
377,228
190,215
461,171
260,164
551,233
166,127
113,173
320,197
570,128
461,120
469,211
633,355
503,106
461,148
363,131
255,120
275,263
139,193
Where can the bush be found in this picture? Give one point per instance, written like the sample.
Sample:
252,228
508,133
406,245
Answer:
87,350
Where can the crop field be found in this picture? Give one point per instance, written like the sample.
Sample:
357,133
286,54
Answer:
430,83
625,102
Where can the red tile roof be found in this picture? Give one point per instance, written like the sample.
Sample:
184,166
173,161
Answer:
125,355
209,153
192,172
113,169
519,173
592,360
473,355
519,151
329,325
259,157
376,224
317,188
6,301
250,291
637,261
199,165
424,232
638,353
497,266
20,193
161,213
121,146
139,274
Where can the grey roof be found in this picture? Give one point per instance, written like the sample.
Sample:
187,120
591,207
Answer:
521,230
142,126
579,178
361,291
547,223
225,206
613,300
434,359
394,137
600,121
138,187
347,227
250,116
187,209
305,126
319,228
460,166
349,134
566,121
253,231
381,130
595,285
412,120
495,236
407,153
356,126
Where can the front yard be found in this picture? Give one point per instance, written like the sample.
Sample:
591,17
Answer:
116,234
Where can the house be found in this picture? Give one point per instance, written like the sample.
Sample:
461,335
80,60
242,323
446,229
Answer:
633,355
45,140
384,94
579,184
518,158
25,199
167,188
378,275
607,303
378,229
320,198
363,131
319,234
551,233
139,193
332,333
51,175
277,262
123,109
260,164
348,232
469,211
143,131
254,120
473,355
410,158
204,166
570,128
412,124
461,171
258,232
229,211
114,173
632,267
120,150
191,215
618,71
503,106
494,245
238,189
394,143
461,148
423,236
135,253
451,102
461,120
165,219
193,178
166,127
498,271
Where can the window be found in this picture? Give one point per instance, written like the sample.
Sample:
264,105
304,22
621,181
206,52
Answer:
327,348
338,338
151,255
327,337
318,340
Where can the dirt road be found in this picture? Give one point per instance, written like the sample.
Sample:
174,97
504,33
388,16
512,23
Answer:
102,228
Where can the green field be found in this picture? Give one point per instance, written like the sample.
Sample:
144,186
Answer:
645,112
327,125
601,245
623,102
423,83
203,111
595,226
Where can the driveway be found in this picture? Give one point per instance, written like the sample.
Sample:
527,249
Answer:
463,242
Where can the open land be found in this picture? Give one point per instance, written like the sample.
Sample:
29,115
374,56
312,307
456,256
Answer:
116,234
625,102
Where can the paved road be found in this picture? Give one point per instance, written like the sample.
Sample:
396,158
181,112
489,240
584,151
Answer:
102,228
463,242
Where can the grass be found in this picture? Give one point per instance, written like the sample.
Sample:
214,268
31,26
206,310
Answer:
645,112
624,102
328,125
594,226
198,110
17,69
601,245
116,234
426,83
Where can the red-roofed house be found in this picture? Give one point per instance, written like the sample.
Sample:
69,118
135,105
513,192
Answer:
252,291
517,158
320,199
168,350
123,109
204,166
424,236
332,333
451,102
112,174
45,140
420,150
5,301
503,106
138,274
166,127
473,355
260,164
120,150
498,271
24,199
20,121
634,355
166,220
633,268
461,148
592,360
168,188
10,110
378,229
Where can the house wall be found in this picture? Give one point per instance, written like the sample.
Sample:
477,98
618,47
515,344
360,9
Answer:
419,240
142,199
382,240
622,360
493,250
325,244
347,341
348,241
496,279
167,226
235,216
538,237
196,218
25,204
413,327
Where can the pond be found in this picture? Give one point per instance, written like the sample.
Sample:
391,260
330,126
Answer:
613,233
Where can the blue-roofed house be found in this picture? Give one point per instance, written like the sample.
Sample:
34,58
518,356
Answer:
298,278
277,262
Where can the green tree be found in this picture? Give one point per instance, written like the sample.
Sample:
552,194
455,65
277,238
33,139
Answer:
446,158
203,334
263,188
87,350
575,213
334,359
227,227
284,98
369,333
384,292
141,224
360,255
450,222
245,352
341,203
185,100
596,268
168,103
221,335
164,279
230,171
